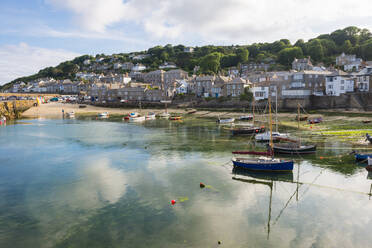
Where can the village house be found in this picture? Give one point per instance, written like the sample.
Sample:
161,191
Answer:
339,83
168,65
302,64
182,86
154,77
131,93
138,68
234,88
349,62
364,80
127,66
172,75
203,85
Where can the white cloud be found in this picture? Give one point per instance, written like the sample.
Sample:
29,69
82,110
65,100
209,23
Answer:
235,21
22,60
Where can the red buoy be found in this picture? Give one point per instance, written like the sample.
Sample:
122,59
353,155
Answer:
202,185
173,202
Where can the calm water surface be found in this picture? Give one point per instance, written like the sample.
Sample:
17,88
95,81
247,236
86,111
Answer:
92,183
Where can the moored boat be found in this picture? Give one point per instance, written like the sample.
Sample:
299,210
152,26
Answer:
362,157
150,116
263,164
265,137
71,114
103,115
246,118
164,115
225,121
175,118
293,148
315,120
130,115
138,119
247,130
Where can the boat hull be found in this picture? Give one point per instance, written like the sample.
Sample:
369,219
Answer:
247,131
363,157
294,150
281,166
224,121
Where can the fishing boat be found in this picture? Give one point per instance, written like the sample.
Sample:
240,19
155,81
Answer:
71,114
247,130
265,137
225,121
293,148
130,115
103,115
137,119
175,118
315,120
150,116
362,157
246,118
264,163
164,115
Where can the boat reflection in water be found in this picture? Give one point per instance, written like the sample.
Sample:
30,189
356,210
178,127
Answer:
268,179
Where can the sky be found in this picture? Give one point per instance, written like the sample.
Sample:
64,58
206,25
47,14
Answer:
35,34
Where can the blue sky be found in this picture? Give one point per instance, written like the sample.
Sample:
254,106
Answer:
39,33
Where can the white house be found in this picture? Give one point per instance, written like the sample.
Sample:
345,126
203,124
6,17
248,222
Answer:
138,67
168,65
182,87
260,92
337,85
86,62
117,66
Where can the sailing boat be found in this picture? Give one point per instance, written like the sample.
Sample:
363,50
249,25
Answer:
277,136
294,148
250,130
264,163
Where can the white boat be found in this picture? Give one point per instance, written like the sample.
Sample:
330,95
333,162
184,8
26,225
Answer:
164,115
103,115
71,114
138,119
266,136
223,121
133,114
150,116
246,117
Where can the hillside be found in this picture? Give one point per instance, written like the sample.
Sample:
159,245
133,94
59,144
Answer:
214,59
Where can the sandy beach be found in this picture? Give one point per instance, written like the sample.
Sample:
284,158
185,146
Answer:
54,110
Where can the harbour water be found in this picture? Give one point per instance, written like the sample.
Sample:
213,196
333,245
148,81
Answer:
103,183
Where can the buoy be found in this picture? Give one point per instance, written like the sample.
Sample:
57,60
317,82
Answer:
202,185
256,130
173,202
311,126
321,157
219,242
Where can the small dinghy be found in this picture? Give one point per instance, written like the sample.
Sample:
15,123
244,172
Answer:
225,121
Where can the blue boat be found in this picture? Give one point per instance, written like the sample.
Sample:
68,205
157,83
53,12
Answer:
263,164
362,157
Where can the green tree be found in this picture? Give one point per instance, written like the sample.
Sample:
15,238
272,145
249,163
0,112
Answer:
347,46
242,54
287,55
315,50
210,63
366,50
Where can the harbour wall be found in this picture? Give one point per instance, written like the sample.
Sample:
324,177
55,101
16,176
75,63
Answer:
14,109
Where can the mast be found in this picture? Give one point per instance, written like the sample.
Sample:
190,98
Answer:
298,115
271,126
276,108
253,103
